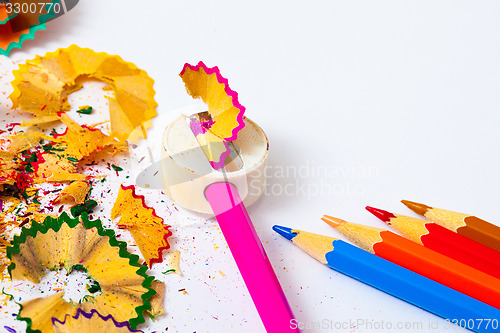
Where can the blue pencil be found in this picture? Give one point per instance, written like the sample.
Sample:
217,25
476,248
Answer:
395,280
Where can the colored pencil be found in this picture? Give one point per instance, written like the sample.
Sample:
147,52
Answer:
464,224
421,260
444,241
250,257
392,279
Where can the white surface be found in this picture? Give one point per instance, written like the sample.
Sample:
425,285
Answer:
397,99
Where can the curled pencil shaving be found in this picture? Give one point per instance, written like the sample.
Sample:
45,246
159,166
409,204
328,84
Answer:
17,27
42,85
76,191
225,110
79,244
147,228
90,322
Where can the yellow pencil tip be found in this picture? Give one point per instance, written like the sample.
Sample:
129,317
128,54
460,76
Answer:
332,221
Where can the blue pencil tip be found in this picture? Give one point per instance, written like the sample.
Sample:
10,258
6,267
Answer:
284,231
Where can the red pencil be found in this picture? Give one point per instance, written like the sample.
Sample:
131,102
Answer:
421,260
444,241
466,225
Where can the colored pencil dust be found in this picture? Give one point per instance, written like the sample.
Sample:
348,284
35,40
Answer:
422,260
444,241
391,278
466,225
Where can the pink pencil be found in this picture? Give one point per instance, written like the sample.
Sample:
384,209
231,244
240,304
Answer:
250,257
221,191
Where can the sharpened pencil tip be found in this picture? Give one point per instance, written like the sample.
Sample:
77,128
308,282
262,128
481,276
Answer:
332,221
418,208
285,232
384,215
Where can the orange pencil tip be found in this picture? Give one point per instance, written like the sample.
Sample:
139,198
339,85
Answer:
418,208
332,221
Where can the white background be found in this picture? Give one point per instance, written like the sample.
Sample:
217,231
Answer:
399,99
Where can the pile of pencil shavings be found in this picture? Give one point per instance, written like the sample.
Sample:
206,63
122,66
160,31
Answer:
34,238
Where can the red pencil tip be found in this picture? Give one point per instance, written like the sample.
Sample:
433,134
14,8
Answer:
381,214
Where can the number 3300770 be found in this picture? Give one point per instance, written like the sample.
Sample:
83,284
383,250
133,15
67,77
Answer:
32,8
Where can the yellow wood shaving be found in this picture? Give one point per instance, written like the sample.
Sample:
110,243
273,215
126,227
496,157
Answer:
173,262
76,191
146,227
42,85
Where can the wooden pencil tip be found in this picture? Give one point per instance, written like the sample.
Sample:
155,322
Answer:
332,221
418,208
381,214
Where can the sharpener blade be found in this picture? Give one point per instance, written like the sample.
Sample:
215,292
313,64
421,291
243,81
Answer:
200,124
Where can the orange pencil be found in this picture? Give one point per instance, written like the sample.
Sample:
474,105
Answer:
464,224
421,260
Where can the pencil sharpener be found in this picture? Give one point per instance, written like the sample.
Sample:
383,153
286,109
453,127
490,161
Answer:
186,171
